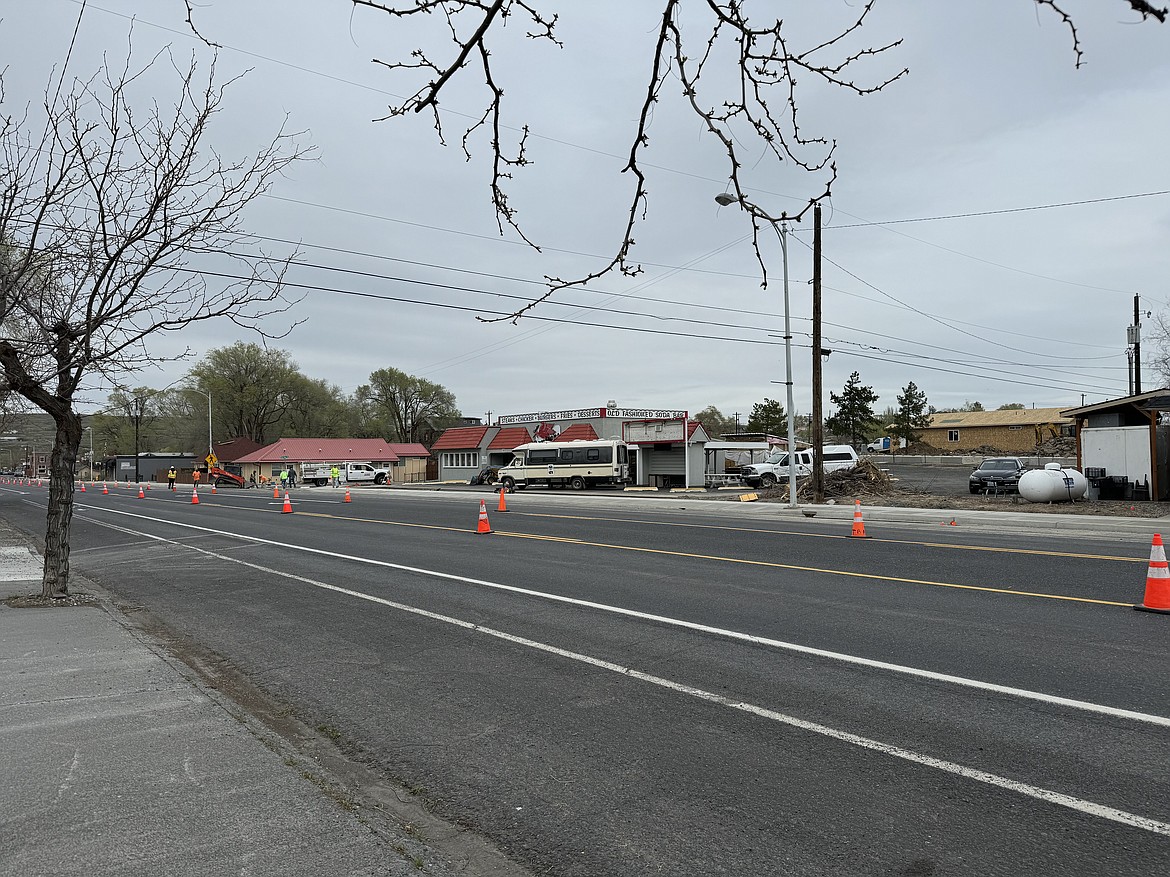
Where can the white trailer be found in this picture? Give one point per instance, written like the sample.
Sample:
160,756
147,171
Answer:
577,465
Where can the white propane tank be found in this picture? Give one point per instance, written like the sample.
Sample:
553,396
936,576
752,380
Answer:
1052,484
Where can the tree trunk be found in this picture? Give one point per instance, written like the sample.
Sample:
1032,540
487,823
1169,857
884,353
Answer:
55,583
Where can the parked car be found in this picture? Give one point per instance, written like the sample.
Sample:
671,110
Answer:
486,475
997,473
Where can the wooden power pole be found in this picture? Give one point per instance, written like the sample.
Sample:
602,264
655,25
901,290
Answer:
818,434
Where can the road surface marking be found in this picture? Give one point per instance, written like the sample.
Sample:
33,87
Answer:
825,570
873,539
1023,693
746,562
1071,802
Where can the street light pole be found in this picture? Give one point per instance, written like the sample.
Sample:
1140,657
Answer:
207,393
781,229
90,428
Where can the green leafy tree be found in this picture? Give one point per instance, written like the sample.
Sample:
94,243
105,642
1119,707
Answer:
854,416
317,409
972,406
403,403
911,415
715,421
768,417
252,390
1011,406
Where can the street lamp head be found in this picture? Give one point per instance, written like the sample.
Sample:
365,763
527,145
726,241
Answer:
724,199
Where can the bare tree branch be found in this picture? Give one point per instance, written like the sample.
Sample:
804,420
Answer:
110,206
759,110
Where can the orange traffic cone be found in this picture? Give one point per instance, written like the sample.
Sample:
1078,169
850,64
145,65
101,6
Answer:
275,492
105,488
484,526
858,524
141,495
213,488
503,505
347,499
287,509
194,496
83,487
1157,581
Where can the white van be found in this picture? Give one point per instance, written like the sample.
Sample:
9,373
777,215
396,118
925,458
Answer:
775,468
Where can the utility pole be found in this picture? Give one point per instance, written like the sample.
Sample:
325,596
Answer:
1137,347
817,433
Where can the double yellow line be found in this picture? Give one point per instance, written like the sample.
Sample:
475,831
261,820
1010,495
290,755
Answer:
767,564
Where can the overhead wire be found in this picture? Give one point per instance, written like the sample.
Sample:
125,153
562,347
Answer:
985,364
978,372
613,296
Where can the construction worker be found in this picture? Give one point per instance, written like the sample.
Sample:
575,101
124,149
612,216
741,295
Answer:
171,476
195,478
335,474
284,478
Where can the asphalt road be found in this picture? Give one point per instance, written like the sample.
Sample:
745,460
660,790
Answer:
608,686
941,480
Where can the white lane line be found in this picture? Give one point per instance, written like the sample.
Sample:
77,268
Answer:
1080,805
1026,694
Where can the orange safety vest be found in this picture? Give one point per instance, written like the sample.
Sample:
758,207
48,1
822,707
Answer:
195,476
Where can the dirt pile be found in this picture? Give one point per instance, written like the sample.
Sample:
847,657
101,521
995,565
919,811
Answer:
864,479
923,449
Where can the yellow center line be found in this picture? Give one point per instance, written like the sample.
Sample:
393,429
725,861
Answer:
1038,552
834,572
738,560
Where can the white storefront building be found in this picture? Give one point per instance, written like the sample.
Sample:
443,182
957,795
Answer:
666,445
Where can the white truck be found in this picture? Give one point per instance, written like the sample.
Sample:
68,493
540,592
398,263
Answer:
774,469
322,473
883,445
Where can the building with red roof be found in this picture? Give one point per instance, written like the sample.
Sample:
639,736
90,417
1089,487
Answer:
411,464
666,446
268,461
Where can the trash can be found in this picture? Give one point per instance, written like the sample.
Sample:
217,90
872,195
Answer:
1094,475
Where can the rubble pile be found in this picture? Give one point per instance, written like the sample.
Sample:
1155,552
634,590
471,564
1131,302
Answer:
1061,446
864,479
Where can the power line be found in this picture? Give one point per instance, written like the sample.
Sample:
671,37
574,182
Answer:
641,330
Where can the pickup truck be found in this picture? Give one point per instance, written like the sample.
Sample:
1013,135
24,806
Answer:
774,469
351,473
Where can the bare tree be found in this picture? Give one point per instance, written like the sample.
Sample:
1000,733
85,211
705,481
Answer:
106,197
737,72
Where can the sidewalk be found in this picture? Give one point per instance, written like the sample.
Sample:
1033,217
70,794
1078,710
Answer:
115,760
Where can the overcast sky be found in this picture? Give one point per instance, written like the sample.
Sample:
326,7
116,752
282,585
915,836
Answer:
955,256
